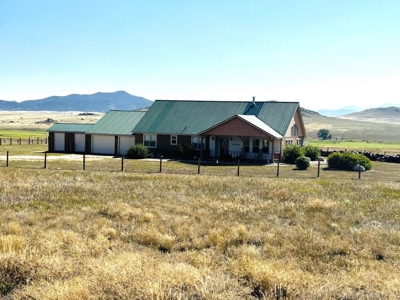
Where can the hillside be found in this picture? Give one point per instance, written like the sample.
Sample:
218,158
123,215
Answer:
98,102
379,115
350,129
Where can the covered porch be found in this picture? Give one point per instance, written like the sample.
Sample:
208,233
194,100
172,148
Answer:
245,137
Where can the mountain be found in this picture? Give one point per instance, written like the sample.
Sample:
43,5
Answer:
98,102
340,111
354,129
389,114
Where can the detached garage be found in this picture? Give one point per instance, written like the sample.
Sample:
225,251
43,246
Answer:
68,137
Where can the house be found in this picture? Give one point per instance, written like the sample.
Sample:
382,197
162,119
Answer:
250,130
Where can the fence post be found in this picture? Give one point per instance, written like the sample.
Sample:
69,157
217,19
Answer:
198,165
122,163
238,169
7,160
45,160
161,163
84,162
0,141
359,171
29,141
277,170
319,165
37,141
10,141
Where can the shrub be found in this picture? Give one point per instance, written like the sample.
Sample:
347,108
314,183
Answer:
291,153
137,151
311,151
347,160
184,151
303,163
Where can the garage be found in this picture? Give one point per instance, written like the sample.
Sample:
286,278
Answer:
79,142
59,141
125,142
103,144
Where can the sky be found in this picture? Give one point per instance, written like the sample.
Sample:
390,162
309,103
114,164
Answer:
323,54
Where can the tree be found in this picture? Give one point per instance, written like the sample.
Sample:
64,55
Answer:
324,134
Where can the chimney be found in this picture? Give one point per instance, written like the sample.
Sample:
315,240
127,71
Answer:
254,100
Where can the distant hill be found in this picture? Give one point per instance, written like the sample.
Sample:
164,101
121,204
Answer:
98,102
354,129
340,111
378,115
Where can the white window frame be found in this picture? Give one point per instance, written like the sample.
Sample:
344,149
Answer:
196,142
289,141
150,140
174,140
298,141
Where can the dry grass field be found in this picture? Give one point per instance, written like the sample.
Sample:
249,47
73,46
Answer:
139,234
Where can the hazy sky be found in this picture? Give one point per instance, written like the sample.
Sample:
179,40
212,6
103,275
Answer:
324,54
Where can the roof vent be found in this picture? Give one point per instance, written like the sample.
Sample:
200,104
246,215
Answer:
254,100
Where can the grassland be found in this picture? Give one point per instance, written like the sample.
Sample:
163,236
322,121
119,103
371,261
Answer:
139,234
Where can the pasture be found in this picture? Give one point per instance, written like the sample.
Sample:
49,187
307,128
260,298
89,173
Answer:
101,233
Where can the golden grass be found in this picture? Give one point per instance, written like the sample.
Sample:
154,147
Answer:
122,235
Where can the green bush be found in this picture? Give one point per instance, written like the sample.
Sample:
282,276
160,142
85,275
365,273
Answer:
303,163
291,153
311,151
184,151
137,151
347,160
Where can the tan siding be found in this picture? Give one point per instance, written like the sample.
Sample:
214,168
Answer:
237,127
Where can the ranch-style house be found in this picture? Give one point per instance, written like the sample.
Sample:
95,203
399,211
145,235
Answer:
216,129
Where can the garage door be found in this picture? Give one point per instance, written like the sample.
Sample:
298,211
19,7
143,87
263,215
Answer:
79,142
103,144
59,141
125,142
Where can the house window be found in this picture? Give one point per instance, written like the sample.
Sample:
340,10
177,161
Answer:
174,139
289,141
150,140
196,142
247,145
256,145
298,141
265,146
295,130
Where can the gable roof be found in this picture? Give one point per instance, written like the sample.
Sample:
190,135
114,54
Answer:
70,127
194,117
117,122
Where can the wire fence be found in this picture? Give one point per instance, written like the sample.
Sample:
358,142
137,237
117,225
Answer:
75,162
22,141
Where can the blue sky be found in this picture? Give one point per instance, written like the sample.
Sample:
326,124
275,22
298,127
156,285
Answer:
324,54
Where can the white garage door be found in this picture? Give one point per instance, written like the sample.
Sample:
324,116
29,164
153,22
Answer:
59,141
103,144
79,142
125,142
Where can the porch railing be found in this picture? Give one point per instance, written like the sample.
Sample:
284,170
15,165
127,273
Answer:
251,156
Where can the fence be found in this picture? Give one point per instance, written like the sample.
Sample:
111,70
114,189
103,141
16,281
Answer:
22,141
382,171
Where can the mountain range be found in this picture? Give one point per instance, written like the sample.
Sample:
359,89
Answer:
98,102
349,110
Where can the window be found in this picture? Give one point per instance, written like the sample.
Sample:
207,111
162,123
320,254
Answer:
298,141
174,139
265,146
295,130
247,145
289,141
150,140
256,145
196,142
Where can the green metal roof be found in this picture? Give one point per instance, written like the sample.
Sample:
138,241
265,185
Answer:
117,122
193,117
70,127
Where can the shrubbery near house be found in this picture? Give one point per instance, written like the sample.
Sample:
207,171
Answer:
292,152
347,160
185,151
303,163
137,151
